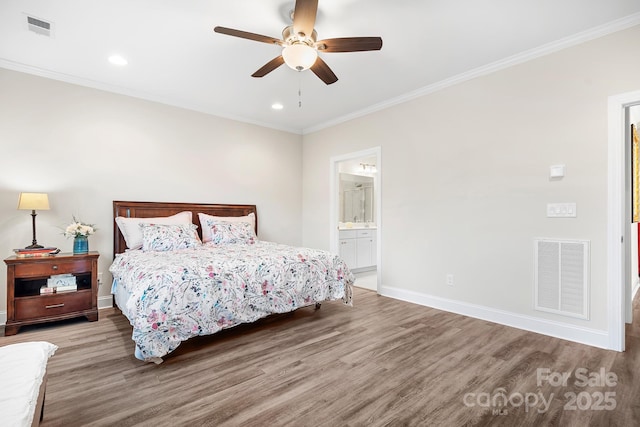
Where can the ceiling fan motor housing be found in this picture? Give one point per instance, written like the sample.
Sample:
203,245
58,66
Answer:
290,37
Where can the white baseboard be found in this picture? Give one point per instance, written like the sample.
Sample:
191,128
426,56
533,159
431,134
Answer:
634,289
592,337
3,318
105,302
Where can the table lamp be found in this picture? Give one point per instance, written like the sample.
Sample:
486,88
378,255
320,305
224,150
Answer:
33,201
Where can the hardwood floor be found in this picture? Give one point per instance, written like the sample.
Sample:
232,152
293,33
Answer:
382,362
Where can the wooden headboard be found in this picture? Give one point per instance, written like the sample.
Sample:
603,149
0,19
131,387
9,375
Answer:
155,209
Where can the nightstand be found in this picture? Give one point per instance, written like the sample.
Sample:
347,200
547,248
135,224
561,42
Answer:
25,277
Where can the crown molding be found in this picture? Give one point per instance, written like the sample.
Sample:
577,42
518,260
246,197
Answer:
67,78
546,49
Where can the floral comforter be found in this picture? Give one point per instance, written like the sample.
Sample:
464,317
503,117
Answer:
180,294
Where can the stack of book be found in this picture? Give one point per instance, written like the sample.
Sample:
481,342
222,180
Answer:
60,283
29,253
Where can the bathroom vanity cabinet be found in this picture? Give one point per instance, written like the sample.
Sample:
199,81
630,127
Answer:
358,247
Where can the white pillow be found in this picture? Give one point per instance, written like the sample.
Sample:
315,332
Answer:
207,236
130,228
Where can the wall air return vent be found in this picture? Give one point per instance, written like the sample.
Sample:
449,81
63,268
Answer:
562,277
39,26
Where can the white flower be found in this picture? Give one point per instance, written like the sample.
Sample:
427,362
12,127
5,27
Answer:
78,228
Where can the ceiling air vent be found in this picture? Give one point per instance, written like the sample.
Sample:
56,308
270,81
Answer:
39,26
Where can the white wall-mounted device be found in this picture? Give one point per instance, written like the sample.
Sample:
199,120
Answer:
556,171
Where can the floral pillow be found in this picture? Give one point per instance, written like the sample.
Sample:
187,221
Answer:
206,232
168,237
224,232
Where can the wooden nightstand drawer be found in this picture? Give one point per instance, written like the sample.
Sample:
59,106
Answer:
40,269
48,305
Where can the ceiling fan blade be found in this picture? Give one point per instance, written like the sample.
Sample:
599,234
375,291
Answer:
350,44
304,16
322,70
269,67
247,35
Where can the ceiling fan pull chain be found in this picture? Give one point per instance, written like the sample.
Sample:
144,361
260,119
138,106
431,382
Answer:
299,90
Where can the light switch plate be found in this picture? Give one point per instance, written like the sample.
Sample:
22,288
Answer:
561,210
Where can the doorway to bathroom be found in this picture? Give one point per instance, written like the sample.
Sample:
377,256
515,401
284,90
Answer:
355,214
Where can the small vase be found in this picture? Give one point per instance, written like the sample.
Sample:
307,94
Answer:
80,245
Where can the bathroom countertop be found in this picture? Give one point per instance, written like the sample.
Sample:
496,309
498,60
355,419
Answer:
358,227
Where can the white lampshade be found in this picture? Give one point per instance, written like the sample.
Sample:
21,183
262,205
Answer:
33,201
299,56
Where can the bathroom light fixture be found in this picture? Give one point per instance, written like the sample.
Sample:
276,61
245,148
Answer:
33,201
367,168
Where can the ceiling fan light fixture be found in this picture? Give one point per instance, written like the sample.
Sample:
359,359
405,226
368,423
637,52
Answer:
299,56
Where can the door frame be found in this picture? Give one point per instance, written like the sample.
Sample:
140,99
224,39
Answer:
618,237
334,202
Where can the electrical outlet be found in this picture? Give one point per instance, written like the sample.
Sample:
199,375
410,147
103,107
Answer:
449,279
99,279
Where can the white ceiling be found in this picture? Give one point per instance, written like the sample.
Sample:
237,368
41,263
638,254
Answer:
176,58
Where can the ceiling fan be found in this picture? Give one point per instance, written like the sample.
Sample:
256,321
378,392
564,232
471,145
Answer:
300,44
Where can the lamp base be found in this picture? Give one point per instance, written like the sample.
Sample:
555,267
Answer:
34,246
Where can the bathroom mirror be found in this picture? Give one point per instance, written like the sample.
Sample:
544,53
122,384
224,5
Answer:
356,198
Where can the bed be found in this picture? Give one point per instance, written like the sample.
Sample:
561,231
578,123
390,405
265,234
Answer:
182,270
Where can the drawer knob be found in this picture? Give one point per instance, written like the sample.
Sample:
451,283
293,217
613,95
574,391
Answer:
54,305
54,267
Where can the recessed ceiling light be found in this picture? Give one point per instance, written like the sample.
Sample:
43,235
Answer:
277,106
118,60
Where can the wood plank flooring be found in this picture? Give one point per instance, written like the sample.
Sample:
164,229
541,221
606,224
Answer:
382,362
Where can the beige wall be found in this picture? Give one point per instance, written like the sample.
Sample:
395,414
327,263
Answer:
465,176
87,148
